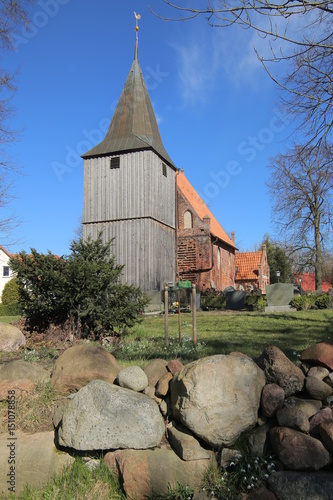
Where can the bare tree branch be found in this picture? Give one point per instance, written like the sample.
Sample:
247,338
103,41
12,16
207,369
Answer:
301,188
13,14
307,88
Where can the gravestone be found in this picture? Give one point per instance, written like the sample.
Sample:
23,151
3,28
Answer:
235,300
279,296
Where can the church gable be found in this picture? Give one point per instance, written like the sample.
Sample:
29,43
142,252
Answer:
205,253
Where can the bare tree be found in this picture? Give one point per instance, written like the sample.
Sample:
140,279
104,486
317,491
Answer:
13,14
269,19
301,190
299,32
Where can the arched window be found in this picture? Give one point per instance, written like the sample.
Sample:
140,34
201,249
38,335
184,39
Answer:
188,221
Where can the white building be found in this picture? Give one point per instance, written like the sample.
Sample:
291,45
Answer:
5,272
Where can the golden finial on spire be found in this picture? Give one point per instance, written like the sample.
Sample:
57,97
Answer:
137,17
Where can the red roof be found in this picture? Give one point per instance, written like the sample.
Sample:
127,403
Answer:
6,252
247,264
308,282
201,208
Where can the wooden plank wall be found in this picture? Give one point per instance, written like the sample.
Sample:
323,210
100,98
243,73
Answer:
136,205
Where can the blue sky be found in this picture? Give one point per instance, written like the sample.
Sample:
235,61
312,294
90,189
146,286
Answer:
215,106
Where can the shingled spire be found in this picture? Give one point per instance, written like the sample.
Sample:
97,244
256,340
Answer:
134,125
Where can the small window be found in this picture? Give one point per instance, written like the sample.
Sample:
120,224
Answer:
188,221
5,271
164,169
115,162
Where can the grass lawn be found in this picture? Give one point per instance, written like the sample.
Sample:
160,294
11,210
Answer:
224,332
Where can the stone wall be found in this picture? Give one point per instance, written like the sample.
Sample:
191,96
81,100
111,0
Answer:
168,423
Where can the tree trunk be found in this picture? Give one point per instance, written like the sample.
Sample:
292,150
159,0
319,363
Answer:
318,263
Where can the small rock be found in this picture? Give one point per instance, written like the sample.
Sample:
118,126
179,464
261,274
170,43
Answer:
174,366
318,371
329,379
133,377
317,389
185,444
318,418
162,386
326,434
308,406
272,398
294,418
155,370
280,370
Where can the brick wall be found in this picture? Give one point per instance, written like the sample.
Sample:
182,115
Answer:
202,259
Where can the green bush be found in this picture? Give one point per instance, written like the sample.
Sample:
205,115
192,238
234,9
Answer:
261,303
311,301
212,299
11,310
323,301
83,289
10,292
255,302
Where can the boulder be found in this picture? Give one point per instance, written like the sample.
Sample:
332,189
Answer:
294,418
317,388
319,354
256,439
16,370
174,365
318,371
133,377
298,451
147,473
155,370
21,377
162,386
185,445
308,406
11,338
102,416
329,379
288,485
218,397
321,416
22,387
36,460
81,364
326,434
262,494
271,399
280,370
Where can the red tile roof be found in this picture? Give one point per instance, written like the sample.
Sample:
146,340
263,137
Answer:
6,252
201,208
308,282
247,264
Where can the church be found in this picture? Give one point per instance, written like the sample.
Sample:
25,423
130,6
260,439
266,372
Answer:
133,192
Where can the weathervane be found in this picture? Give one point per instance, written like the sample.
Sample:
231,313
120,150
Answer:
137,17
